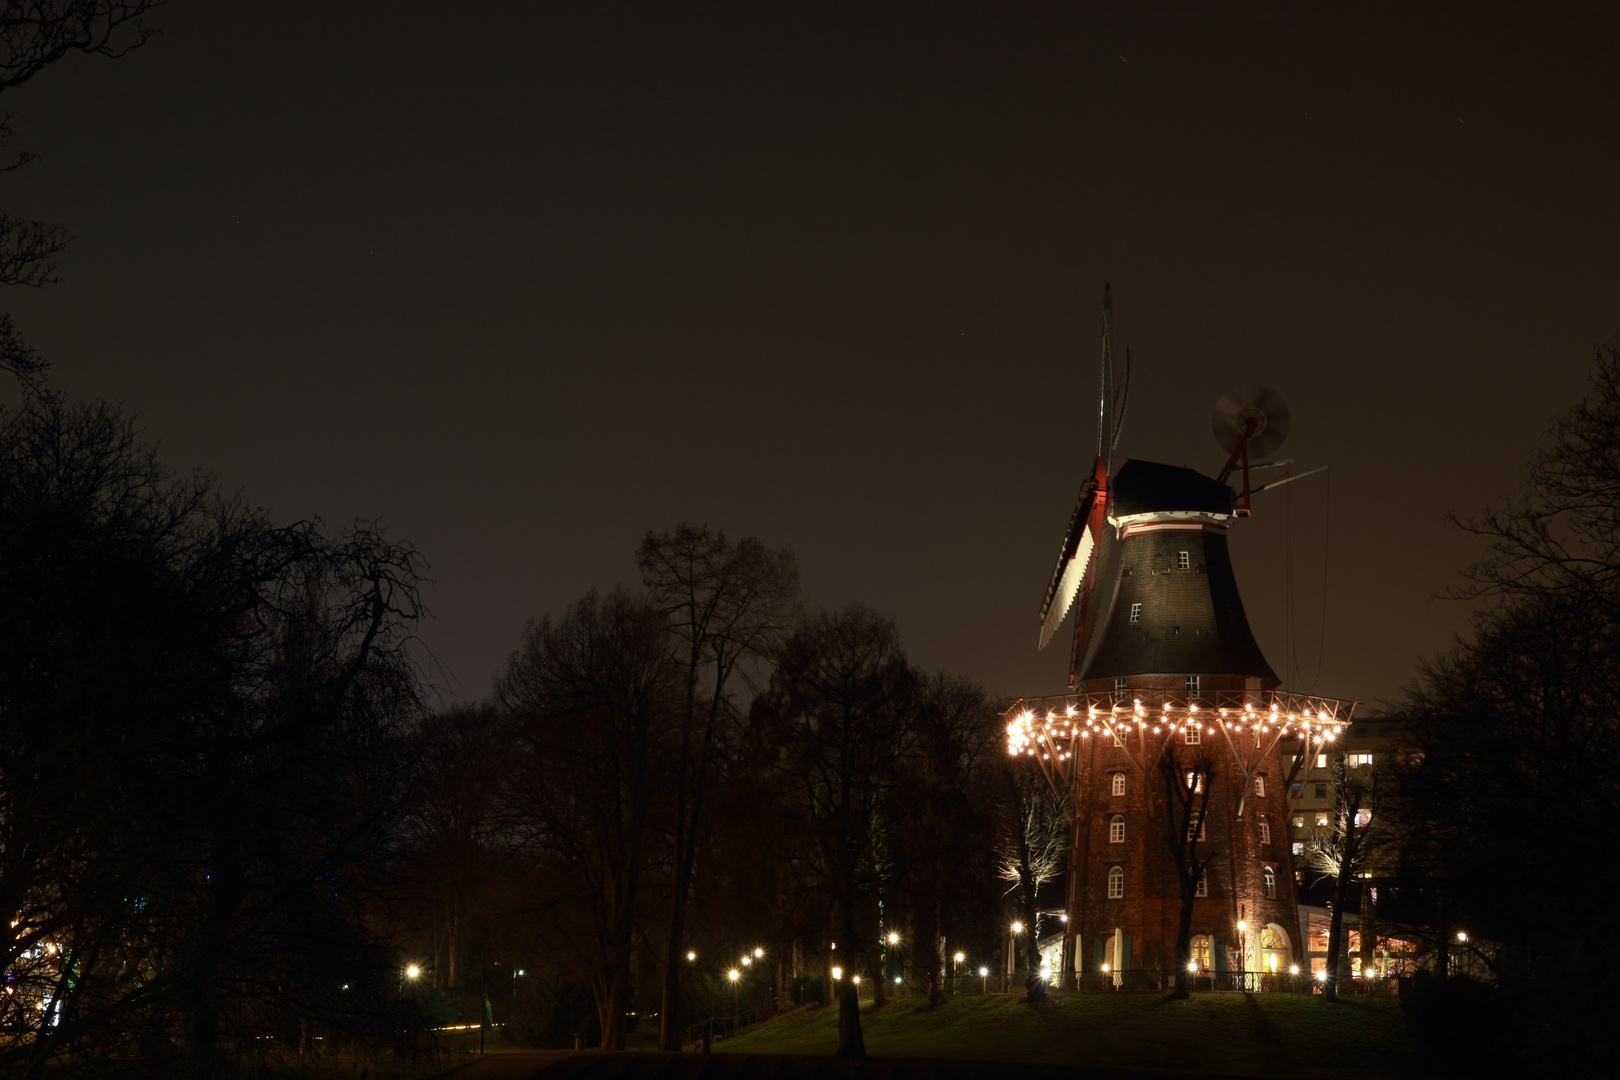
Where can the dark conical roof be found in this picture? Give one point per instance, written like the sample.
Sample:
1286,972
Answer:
1146,487
1177,582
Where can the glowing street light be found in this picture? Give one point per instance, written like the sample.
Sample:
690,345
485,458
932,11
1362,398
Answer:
747,960
691,956
1192,966
838,973
894,938
1293,969
412,972
959,957
1017,927
1462,936
734,974
759,952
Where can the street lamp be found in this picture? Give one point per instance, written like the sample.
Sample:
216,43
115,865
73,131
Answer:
412,971
894,938
838,973
691,956
734,975
759,952
1462,936
1017,927
984,980
959,957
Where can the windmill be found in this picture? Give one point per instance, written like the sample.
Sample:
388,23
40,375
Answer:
1075,573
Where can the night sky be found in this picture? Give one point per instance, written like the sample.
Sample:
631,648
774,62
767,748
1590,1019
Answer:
524,281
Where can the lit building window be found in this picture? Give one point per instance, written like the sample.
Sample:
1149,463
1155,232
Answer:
1299,821
1195,781
1260,786
1203,884
1136,613
1322,818
1116,829
1321,761
1357,760
1183,560
1116,882
1271,884
1299,848
1192,735
1265,831
1200,951
1119,783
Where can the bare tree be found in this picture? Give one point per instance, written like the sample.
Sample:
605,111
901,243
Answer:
838,715
1034,844
590,693
728,604
1340,851
1187,788
35,34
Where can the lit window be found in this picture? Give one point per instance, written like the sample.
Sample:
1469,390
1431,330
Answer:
1195,780
1116,882
1321,761
1321,817
1136,613
1362,818
1265,831
1200,951
1192,735
1183,560
1299,821
1299,848
1260,786
1116,829
1357,760
1119,783
1271,884
1203,884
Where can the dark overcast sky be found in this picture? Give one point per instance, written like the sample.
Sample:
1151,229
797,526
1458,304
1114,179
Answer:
526,280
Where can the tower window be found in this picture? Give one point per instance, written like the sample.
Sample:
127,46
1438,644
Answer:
1136,613
1271,884
1265,831
1201,829
1195,782
1119,783
1183,561
1192,735
1191,683
1203,884
1116,882
1116,829
1260,786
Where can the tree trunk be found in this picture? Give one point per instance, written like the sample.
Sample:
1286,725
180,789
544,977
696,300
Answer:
1184,940
1369,932
851,1042
1341,896
669,998
1034,985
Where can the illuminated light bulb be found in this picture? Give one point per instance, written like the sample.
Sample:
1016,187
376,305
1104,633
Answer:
983,972
897,980
747,960
856,979
1321,976
1242,925
691,956
1293,969
1065,917
960,957
1192,966
412,971
1017,927
1461,936
1105,969
838,973
734,974
894,939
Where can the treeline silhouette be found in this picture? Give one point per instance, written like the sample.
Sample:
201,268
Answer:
230,819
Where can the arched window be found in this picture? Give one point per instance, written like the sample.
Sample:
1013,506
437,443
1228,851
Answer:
1119,783
1116,829
1201,951
1116,882
1274,951
1271,884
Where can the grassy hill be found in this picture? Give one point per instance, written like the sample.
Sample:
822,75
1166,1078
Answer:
1241,1034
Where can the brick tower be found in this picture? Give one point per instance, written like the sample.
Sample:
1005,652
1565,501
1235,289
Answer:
1166,678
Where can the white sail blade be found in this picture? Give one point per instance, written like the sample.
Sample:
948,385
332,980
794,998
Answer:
1074,575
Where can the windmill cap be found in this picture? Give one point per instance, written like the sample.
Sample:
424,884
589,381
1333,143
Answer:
1147,487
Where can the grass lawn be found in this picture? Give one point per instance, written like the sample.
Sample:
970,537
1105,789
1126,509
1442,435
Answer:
1246,1034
